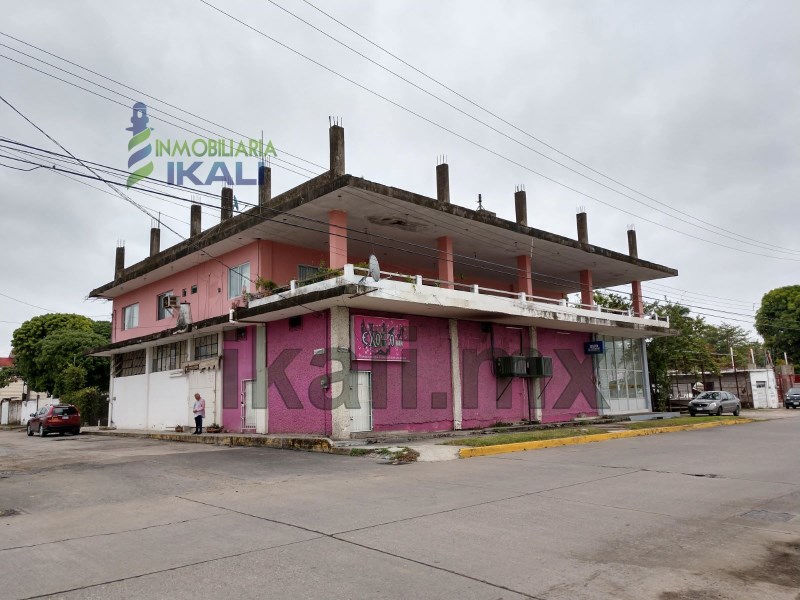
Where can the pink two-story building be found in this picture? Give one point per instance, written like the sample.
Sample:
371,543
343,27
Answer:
278,319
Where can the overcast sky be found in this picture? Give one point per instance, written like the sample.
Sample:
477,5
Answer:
695,104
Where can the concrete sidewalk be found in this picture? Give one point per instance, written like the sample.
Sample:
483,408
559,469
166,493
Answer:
428,449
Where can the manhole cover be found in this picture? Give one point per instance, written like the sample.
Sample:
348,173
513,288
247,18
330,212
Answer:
9,512
768,515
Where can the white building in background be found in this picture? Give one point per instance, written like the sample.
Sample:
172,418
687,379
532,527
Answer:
764,388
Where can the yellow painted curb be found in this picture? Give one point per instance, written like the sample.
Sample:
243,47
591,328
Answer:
588,439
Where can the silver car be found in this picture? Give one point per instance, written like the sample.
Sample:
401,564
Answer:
715,403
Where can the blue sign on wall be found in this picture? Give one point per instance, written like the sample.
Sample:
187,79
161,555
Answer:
598,347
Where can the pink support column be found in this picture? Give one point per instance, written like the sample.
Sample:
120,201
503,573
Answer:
524,281
587,293
337,239
445,246
636,298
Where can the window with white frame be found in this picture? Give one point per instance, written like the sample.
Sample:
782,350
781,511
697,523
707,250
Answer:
130,316
238,280
162,312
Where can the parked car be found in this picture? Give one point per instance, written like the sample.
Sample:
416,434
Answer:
792,399
715,403
61,418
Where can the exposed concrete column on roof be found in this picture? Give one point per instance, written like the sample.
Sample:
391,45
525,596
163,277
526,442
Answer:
587,292
445,246
195,220
336,135
155,240
264,185
637,303
521,207
226,212
443,183
583,227
119,261
337,239
524,279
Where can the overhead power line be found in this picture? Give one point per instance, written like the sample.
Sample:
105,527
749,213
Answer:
133,89
432,254
737,249
713,228
481,146
276,161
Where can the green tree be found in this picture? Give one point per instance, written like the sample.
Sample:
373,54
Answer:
45,345
7,376
778,321
70,347
689,351
612,300
725,336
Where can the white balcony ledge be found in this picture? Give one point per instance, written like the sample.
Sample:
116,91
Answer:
414,294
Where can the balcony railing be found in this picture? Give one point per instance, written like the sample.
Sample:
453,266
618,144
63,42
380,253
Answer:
420,281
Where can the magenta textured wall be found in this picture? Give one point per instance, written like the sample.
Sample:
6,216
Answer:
415,395
486,399
239,362
571,391
296,399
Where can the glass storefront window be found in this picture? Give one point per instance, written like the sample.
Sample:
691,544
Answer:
620,375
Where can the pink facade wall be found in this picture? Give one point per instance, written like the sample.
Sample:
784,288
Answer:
296,400
211,299
274,261
414,395
485,398
279,262
571,392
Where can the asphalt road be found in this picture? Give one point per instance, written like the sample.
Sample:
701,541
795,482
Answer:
701,515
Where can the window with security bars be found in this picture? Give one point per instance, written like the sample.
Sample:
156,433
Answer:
129,363
169,356
205,346
305,272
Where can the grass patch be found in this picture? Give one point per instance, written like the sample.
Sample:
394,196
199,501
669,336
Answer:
674,422
361,452
524,436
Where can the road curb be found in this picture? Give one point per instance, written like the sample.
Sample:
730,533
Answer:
223,439
588,439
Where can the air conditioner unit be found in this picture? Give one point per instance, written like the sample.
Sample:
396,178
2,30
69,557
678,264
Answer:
169,302
540,366
511,366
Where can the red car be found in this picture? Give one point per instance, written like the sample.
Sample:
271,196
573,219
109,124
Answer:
62,418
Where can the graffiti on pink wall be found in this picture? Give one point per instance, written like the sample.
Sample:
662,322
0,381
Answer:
379,338
571,392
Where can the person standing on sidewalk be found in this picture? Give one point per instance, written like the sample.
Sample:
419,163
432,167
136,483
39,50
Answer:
199,410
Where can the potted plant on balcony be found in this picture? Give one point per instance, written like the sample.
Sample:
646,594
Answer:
264,287
214,428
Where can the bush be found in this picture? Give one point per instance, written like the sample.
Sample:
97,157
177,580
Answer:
89,402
